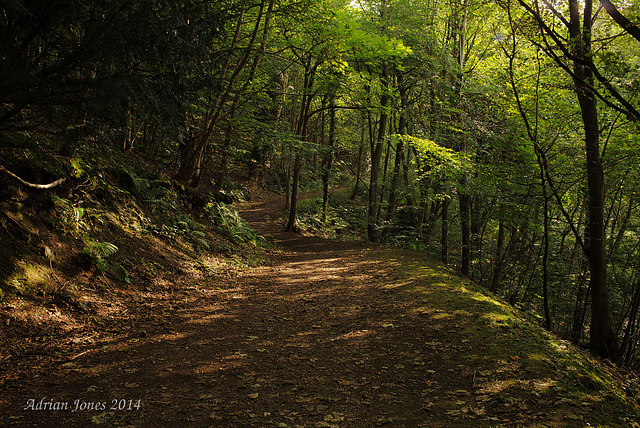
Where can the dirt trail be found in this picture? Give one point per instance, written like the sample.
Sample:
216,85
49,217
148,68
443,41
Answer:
319,337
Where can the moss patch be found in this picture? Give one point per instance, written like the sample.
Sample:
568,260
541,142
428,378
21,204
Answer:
515,362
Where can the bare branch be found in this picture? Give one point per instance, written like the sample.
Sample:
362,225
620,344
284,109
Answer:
620,19
32,185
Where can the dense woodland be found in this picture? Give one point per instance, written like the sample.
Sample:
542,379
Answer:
500,136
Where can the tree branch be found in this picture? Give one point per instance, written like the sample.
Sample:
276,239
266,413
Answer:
620,19
32,185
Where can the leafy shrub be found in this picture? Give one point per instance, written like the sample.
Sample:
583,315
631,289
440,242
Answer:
229,221
99,252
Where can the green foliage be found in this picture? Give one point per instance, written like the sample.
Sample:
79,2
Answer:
99,253
78,167
229,222
435,159
344,219
71,216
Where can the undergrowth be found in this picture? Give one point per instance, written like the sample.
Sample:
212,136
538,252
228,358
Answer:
344,218
110,204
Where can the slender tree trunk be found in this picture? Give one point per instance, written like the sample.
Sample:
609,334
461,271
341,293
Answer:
192,157
542,165
465,208
497,264
383,181
545,257
301,131
411,203
444,240
463,198
224,162
287,183
393,188
603,340
376,159
356,186
293,210
127,140
399,160
580,308
328,159
626,348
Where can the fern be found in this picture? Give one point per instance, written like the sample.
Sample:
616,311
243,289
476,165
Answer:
99,252
230,222
202,242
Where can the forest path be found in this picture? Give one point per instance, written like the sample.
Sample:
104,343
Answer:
325,334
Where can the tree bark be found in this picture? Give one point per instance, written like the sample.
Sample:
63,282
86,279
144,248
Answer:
399,160
603,340
465,211
224,162
376,159
497,264
327,162
192,156
356,186
293,209
444,240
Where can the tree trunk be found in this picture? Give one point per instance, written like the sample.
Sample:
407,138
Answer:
376,159
287,183
383,181
465,208
327,162
580,308
626,349
464,199
399,161
545,258
413,217
603,340
356,186
192,157
293,210
497,264
444,240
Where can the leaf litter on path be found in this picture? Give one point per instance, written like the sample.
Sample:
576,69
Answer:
327,334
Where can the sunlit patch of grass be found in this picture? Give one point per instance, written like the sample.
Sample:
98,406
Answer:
441,316
518,357
486,299
493,387
498,319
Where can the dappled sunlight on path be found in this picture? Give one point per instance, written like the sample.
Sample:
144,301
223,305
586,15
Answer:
325,334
